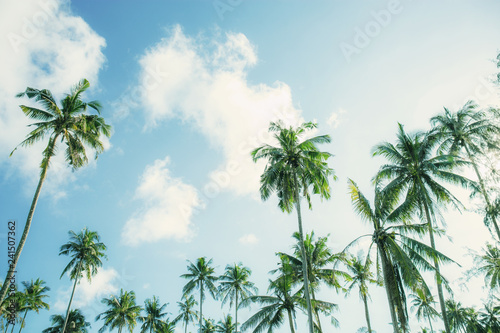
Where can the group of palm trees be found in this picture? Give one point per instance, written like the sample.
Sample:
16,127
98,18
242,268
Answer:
409,192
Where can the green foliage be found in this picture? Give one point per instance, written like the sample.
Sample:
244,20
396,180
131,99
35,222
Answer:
77,323
122,312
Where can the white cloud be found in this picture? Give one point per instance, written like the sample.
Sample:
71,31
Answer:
45,46
335,118
248,239
203,82
102,285
168,205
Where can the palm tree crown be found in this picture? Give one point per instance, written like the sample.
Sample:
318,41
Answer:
122,312
153,320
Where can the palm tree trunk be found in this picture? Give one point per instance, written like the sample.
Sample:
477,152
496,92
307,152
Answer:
290,321
22,241
304,258
236,311
388,283
22,322
316,314
186,327
69,306
201,304
483,190
438,273
430,324
12,330
367,315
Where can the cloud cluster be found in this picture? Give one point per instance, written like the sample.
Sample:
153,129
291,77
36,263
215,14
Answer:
167,207
44,46
203,81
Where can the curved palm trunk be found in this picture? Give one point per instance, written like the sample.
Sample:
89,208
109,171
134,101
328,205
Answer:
22,241
304,258
69,306
438,273
367,315
483,190
388,283
290,321
22,322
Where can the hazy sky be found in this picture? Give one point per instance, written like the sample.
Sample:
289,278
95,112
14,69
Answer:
190,88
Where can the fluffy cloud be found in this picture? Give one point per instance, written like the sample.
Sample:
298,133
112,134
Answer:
168,205
248,239
45,46
102,285
335,118
204,83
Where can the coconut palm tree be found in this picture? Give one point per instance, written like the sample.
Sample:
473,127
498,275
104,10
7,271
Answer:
226,325
187,312
122,312
361,276
489,318
235,286
208,326
415,173
76,320
422,304
86,252
34,294
70,124
153,320
292,168
489,265
321,262
400,258
472,132
201,276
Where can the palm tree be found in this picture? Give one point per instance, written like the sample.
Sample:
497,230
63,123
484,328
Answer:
319,258
34,293
187,312
471,131
401,258
167,327
77,320
272,314
234,286
489,264
490,318
208,326
122,312
414,173
86,252
201,276
73,126
292,167
153,320
422,304
226,326
360,277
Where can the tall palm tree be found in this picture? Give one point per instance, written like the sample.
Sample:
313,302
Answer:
321,263
122,312
226,325
414,172
34,294
361,276
235,286
422,304
86,252
489,318
77,320
471,131
69,123
400,258
201,276
153,320
187,312
292,168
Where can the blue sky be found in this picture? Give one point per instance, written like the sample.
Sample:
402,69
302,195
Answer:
189,88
